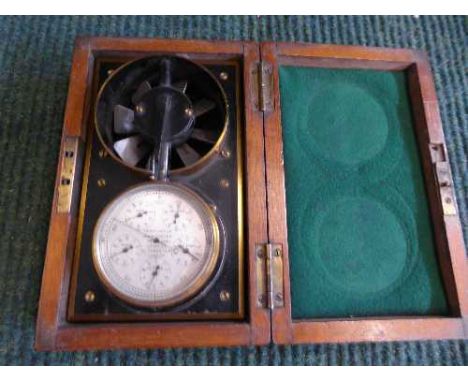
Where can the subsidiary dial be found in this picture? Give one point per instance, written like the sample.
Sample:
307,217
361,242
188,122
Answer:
156,245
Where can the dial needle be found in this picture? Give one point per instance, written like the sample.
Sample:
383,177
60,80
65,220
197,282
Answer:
154,239
187,251
153,276
125,250
138,215
177,215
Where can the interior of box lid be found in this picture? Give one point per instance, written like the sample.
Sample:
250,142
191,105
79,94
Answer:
359,230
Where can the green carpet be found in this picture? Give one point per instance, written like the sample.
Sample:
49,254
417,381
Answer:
35,60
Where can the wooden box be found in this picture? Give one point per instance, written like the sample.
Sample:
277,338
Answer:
341,148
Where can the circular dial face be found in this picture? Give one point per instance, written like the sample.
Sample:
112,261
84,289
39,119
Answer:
156,245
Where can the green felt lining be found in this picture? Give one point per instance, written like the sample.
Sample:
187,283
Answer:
360,235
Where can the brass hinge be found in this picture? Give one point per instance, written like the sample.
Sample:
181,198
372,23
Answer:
270,290
67,174
263,86
443,178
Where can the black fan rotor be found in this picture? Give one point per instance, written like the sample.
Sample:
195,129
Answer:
160,100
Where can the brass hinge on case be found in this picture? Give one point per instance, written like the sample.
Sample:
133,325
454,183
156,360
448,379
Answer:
263,86
67,174
443,178
269,260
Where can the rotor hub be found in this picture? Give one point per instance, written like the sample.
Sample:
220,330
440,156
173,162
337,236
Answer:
164,113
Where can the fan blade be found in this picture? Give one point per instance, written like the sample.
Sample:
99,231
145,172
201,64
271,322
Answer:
203,106
208,136
123,120
131,149
142,89
181,86
187,154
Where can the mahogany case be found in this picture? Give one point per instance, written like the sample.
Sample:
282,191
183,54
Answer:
262,278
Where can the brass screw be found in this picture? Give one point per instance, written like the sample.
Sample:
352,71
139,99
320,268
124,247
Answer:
213,207
224,295
89,296
278,252
140,109
224,183
260,252
261,299
110,71
189,112
225,153
101,182
224,76
102,153
279,297
448,200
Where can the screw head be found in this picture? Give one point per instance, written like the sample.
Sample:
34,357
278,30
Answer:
89,296
225,153
102,153
260,252
224,183
277,252
224,76
261,299
101,182
279,297
189,112
224,295
110,71
140,109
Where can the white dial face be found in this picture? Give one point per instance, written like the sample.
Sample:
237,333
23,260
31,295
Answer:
156,245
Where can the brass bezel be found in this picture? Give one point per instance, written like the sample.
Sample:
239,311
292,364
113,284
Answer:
182,170
198,283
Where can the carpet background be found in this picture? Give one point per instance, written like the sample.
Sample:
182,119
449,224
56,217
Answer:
35,61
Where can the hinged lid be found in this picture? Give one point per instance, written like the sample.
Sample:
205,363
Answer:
359,215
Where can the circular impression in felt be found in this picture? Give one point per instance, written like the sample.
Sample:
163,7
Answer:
361,244
346,124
